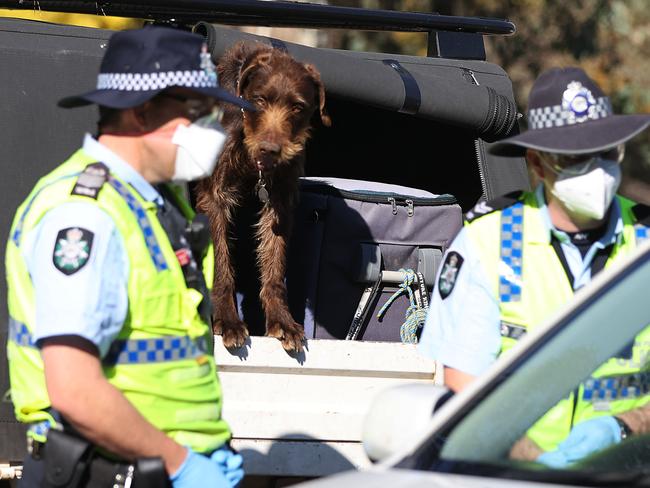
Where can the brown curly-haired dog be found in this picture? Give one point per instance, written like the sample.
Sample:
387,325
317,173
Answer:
263,159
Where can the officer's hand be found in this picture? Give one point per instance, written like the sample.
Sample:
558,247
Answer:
198,470
584,439
230,463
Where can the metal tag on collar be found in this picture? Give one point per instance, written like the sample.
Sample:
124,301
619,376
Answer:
260,189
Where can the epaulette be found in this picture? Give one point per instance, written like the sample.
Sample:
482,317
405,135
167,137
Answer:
642,214
499,203
91,180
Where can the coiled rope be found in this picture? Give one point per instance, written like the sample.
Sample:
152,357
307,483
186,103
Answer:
416,312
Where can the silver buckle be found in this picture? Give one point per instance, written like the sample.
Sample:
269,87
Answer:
124,480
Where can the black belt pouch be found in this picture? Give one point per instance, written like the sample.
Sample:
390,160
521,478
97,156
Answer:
150,473
66,459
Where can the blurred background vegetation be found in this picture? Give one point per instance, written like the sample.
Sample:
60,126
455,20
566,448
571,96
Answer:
609,39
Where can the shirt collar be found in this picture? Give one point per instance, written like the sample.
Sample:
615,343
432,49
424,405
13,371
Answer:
613,233
121,168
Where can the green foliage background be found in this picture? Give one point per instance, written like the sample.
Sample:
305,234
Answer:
609,39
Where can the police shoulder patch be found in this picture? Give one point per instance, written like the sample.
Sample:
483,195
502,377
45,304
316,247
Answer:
449,273
483,208
72,249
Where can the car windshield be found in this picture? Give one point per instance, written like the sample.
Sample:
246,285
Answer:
573,361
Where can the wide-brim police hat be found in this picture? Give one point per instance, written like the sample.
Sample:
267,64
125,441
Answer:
140,63
569,114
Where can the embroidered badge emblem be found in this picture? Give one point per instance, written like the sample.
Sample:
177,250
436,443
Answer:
449,274
207,65
72,249
579,103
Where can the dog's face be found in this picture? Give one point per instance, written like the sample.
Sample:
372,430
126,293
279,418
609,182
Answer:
287,94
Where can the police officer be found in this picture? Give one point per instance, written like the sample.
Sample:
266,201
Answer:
522,256
108,278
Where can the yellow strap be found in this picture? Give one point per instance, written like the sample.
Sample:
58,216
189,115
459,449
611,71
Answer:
83,20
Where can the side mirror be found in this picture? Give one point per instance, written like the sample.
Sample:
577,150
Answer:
399,416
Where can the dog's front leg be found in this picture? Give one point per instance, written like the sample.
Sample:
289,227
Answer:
273,234
226,321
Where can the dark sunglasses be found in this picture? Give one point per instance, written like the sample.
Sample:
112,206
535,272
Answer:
196,108
577,164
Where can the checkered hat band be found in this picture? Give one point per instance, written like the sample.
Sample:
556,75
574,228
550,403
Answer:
155,81
556,116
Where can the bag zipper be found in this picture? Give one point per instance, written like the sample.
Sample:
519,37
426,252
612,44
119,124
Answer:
468,74
394,199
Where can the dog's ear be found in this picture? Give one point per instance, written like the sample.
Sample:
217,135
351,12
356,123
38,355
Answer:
253,62
320,88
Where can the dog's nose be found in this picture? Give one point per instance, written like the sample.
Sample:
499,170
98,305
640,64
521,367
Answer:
269,148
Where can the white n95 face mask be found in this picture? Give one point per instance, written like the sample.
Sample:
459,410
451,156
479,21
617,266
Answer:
199,146
589,194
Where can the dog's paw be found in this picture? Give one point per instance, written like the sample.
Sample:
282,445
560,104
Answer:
291,335
233,334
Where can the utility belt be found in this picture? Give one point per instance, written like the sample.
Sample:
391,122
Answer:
70,461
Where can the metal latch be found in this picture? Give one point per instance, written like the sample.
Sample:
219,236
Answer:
392,201
410,208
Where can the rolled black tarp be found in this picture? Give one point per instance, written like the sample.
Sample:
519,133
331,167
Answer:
433,88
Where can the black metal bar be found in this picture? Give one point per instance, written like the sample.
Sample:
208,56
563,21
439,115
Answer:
275,13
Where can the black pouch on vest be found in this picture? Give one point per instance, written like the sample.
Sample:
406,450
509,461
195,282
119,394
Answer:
66,459
190,240
150,473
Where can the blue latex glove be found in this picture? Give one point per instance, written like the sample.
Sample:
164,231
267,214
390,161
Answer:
198,470
584,439
230,463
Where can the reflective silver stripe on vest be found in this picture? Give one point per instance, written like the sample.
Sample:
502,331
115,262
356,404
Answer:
512,239
143,222
133,351
641,232
19,333
139,351
617,387
512,331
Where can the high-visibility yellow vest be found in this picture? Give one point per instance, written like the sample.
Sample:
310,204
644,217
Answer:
531,284
161,359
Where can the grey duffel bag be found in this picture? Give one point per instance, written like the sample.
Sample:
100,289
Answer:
350,238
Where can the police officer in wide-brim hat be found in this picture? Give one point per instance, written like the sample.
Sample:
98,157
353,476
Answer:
569,114
140,64
521,256
108,275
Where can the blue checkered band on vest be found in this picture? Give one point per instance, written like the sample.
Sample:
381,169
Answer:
18,230
132,351
138,351
642,233
557,116
19,333
616,388
512,239
143,222
155,81
39,428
